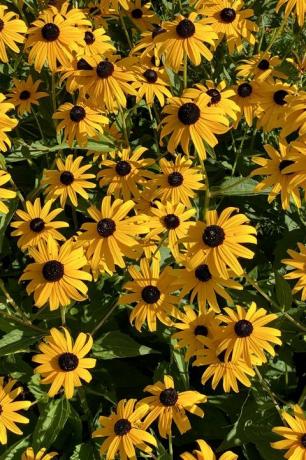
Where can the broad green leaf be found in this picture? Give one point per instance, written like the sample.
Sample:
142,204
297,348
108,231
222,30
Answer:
115,344
15,342
84,452
283,291
235,186
14,452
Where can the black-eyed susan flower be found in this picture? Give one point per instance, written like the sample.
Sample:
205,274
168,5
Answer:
247,99
152,291
114,4
37,224
109,81
71,74
56,276
192,120
6,123
294,434
79,122
185,36
69,180
220,241
125,173
205,452
178,181
298,263
151,83
112,235
229,20
53,37
95,42
141,15
124,432
260,66
5,194
194,326
42,454
25,94
9,415
218,368
12,30
295,114
170,406
296,6
146,46
62,362
203,286
246,334
275,170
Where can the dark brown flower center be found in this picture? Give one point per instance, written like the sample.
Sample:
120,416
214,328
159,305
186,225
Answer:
189,113
66,178
244,90
279,97
105,69
123,168
89,38
77,113
202,273
168,397
50,32
263,64
83,65
68,362
201,330
37,225
228,15
303,440
137,13
122,427
171,221
243,328
213,236
215,95
106,227
24,95
1,25
185,28
150,294
157,30
284,163
150,75
175,179
53,271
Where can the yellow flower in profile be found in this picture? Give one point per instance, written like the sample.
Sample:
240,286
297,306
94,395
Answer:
169,405
298,263
6,123
69,180
79,122
142,15
29,454
37,224
9,409
4,193
206,453
298,6
25,94
12,30
56,276
294,434
261,67
124,432
95,42
63,363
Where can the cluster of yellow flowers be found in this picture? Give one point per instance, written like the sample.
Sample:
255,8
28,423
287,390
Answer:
148,206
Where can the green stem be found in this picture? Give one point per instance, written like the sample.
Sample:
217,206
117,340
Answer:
39,127
63,315
124,128
239,151
125,31
277,33
105,318
269,391
202,213
85,407
12,302
16,320
153,121
74,218
185,71
170,445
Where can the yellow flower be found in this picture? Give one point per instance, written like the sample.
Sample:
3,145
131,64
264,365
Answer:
6,123
261,67
294,434
247,99
95,42
142,15
151,84
298,262
62,362
4,193
29,454
24,94
297,5
206,453
11,32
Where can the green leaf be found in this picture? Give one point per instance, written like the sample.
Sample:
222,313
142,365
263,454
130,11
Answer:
283,291
84,452
50,423
235,186
14,452
115,344
15,342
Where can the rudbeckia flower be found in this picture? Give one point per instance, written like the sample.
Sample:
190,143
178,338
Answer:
169,405
219,242
95,42
25,94
151,84
79,122
56,276
62,362
113,235
151,290
9,409
114,4
37,224
4,193
29,454
124,432
146,46
246,334
294,434
6,123
69,180
298,6
141,15
125,173
260,66
295,115
247,99
185,37
12,30
298,263
192,120
206,453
